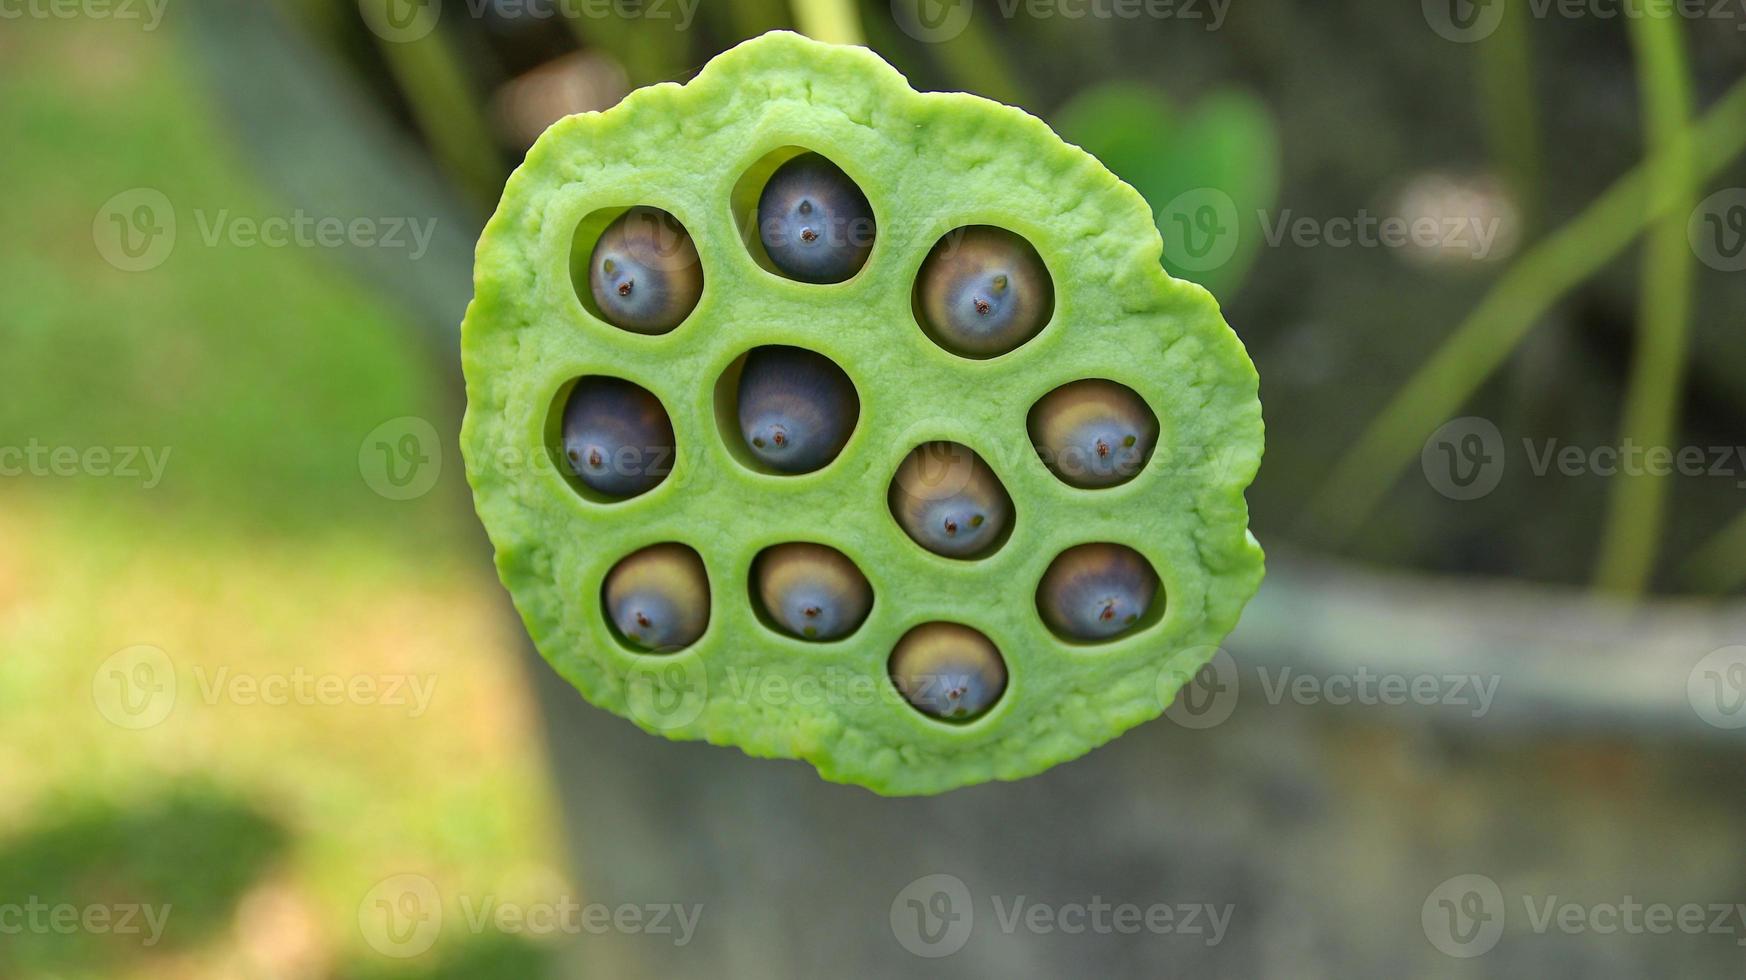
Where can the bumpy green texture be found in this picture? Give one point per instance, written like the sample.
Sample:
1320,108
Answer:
929,163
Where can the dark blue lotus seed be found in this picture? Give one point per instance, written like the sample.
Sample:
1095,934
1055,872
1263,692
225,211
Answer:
617,437
659,597
983,291
796,408
1096,591
948,671
815,224
948,500
1093,433
644,272
812,591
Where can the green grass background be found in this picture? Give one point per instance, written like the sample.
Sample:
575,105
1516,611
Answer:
263,551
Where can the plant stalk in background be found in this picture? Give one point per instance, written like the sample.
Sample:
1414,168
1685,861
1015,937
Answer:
1363,474
1638,505
1506,99
834,21
448,113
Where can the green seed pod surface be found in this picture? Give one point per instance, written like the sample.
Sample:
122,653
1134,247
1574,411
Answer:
928,164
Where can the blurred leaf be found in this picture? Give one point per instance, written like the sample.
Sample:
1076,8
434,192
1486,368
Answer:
1223,156
189,855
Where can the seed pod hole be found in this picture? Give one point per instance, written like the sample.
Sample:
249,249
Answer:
803,218
983,291
657,599
636,268
948,501
1095,592
1093,433
785,410
948,671
810,591
611,438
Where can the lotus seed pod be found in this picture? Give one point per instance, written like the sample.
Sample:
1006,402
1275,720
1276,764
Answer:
948,671
797,409
815,224
617,437
1096,591
644,273
1093,433
984,291
812,591
925,163
659,598
949,502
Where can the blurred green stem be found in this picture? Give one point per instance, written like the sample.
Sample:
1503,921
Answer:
1638,502
1506,98
834,21
448,114
650,49
1720,564
754,17
971,62
975,62
1521,296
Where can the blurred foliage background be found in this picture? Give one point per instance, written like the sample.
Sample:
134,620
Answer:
259,374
